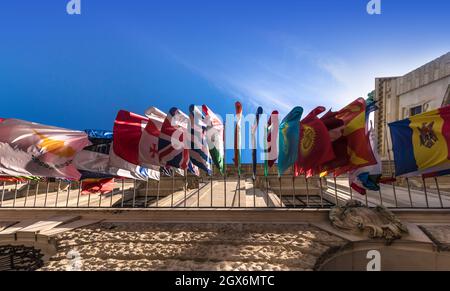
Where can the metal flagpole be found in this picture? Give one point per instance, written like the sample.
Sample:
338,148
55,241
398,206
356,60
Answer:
267,191
198,192
89,199
57,192
425,190
15,195
224,166
367,201
254,191
239,189
350,189
185,187
409,192
439,192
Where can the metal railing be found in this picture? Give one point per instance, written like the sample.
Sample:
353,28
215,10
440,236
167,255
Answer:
229,191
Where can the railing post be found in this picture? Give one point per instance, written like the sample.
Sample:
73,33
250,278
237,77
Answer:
3,192
293,191
36,193
134,193
146,193
157,192
80,185
15,195
335,191
281,197
321,192
123,192
68,193
409,192
173,188
425,190
26,196
57,192
439,192
46,193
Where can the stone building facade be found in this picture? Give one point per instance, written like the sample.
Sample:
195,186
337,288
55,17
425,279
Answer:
426,88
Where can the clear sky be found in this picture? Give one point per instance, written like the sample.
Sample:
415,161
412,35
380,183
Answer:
77,71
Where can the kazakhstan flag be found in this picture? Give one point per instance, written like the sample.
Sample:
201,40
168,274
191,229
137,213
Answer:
421,143
289,136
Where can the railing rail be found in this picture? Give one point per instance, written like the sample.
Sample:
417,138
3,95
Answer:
230,191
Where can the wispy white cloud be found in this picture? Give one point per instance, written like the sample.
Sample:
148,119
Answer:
289,74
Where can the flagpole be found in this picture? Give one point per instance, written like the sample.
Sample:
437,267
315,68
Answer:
281,197
185,187
173,188
293,191
321,193
224,166
100,198
307,191
390,161
157,193
211,179
335,191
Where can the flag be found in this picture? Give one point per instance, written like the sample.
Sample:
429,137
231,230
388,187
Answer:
421,143
271,140
237,138
93,185
315,146
259,111
349,137
124,153
93,160
289,136
199,151
173,146
148,144
32,149
215,137
367,178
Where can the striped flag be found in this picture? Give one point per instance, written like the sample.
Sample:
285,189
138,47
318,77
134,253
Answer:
237,138
271,139
199,151
259,111
215,137
172,144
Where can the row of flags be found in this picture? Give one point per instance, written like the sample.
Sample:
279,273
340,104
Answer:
154,144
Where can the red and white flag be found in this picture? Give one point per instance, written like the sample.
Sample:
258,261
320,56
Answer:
148,145
124,155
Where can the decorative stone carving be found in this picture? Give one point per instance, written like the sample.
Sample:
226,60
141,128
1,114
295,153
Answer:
379,222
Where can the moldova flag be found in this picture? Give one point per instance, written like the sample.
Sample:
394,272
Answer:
421,143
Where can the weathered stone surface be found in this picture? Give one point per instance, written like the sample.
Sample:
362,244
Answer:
144,246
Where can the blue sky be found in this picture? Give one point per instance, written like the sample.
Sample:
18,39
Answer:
77,71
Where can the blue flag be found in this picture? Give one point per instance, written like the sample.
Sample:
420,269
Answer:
289,136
